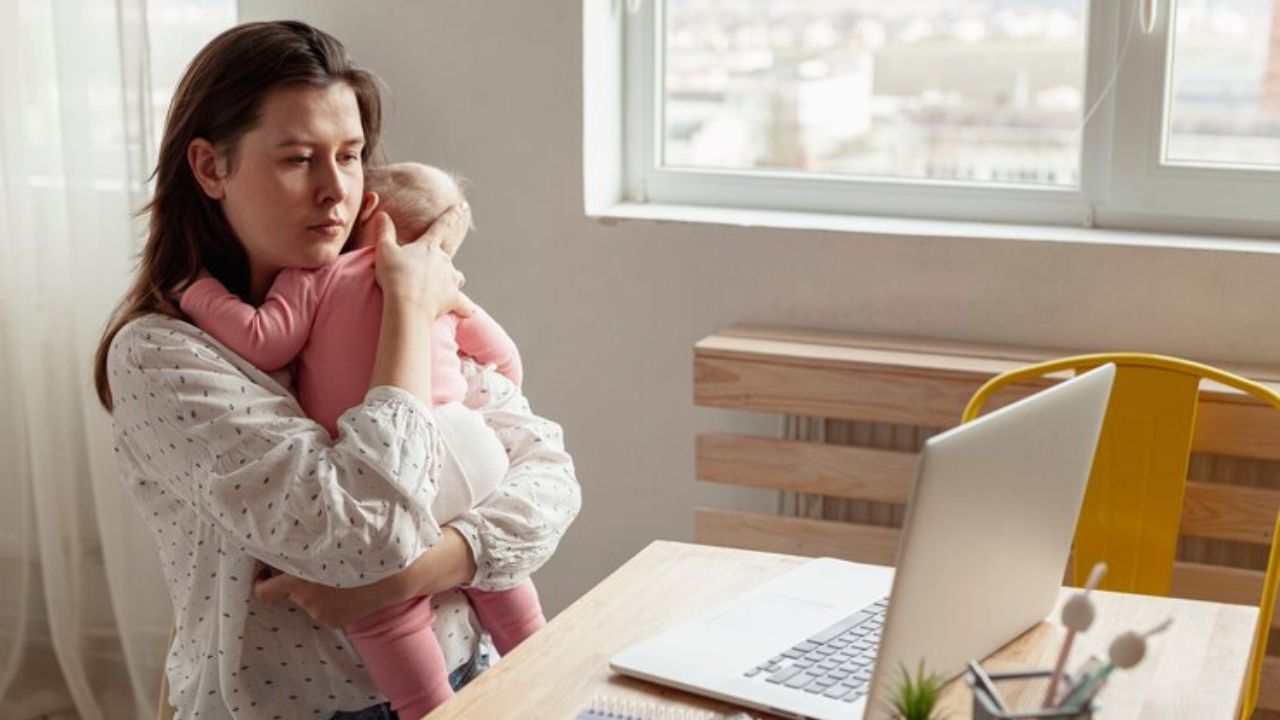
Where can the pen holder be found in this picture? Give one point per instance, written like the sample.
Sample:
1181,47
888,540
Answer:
990,704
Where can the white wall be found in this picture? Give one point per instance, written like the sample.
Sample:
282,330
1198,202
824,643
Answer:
606,315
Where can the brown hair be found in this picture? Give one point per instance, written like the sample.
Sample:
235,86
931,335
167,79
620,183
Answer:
220,99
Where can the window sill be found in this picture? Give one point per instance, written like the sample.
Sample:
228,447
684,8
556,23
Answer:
870,226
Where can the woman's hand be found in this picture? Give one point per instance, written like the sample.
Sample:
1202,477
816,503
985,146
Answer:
419,283
418,276
330,606
450,228
443,566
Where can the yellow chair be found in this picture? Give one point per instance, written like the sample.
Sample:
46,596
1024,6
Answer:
1133,505
165,711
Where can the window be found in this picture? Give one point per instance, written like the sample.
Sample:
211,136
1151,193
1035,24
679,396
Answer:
1071,112
905,90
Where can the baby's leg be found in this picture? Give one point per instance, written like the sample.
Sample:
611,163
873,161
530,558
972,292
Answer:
510,616
403,656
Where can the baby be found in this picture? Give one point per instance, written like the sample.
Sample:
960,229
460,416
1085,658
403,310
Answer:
327,320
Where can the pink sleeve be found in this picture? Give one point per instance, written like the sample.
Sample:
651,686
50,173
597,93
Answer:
482,338
269,336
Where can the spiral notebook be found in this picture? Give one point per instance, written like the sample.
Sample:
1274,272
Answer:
610,708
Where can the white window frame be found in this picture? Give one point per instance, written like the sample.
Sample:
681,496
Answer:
1123,184
1147,193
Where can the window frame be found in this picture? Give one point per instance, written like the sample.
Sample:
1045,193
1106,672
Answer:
1147,192
1123,182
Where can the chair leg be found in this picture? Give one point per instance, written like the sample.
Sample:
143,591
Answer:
164,711
1266,606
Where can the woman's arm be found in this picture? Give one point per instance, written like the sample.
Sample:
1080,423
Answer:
445,565
494,546
515,530
217,434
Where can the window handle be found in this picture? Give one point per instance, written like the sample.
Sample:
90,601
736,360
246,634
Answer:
1148,8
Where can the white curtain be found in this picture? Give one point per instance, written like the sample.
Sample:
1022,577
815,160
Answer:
83,87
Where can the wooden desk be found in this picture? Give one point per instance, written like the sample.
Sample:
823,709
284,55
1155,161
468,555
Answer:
1194,671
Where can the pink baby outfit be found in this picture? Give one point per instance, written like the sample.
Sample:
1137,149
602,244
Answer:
328,320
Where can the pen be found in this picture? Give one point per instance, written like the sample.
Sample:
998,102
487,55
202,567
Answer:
1077,615
1126,651
981,674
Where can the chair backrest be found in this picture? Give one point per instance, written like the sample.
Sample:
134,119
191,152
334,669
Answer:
1133,506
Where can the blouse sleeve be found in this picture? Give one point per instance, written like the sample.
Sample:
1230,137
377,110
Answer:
216,433
269,336
514,530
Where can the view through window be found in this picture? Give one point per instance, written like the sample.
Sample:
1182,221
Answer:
968,90
1225,99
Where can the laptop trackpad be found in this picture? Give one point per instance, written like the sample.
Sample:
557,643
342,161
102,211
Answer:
764,611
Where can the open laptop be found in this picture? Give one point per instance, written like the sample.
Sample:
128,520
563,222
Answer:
981,558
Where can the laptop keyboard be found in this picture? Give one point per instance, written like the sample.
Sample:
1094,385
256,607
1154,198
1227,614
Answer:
836,663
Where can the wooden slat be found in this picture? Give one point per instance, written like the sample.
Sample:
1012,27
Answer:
1269,687
820,468
1198,581
796,536
1210,510
900,380
1237,426
877,394
1214,583
838,346
837,351
1230,512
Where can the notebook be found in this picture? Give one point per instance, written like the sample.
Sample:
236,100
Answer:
614,708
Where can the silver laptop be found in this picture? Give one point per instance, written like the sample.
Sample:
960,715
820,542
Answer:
981,558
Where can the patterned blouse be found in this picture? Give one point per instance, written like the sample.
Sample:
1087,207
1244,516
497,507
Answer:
229,474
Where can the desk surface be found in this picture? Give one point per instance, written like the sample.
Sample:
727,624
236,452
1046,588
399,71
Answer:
1193,671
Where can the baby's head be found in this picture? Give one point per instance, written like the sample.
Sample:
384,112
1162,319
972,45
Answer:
413,194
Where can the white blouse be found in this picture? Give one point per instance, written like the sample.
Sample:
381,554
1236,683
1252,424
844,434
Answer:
228,473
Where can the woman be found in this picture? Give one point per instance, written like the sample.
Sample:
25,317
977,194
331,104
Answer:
261,168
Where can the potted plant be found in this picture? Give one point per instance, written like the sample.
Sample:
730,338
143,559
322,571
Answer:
914,698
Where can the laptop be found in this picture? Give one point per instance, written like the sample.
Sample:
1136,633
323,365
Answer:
980,561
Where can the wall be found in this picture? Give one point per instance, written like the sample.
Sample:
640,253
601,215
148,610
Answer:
606,314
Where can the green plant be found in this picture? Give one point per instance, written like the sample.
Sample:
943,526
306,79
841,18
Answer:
914,698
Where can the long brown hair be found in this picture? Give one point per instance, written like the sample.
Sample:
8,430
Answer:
219,99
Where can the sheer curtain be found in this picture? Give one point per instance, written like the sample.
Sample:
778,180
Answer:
83,88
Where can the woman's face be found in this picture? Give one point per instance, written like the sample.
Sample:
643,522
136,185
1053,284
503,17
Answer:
296,180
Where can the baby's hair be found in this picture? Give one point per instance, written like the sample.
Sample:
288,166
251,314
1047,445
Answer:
414,194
